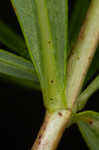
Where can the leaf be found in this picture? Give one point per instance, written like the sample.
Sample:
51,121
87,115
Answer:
12,40
88,123
76,19
18,70
87,93
94,68
44,25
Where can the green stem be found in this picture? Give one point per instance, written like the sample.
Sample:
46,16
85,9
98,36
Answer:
83,53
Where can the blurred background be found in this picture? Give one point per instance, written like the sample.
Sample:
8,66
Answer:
22,110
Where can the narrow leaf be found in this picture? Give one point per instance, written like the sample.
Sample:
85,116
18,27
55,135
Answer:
88,123
12,40
94,68
86,94
44,25
18,70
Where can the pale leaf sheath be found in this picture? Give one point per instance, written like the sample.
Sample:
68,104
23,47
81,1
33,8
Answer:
82,54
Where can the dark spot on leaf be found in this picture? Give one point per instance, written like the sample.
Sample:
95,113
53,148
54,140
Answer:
39,142
84,73
40,136
81,35
89,59
14,9
69,109
49,42
60,114
90,122
52,81
51,99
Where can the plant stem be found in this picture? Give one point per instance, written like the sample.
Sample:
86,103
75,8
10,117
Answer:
83,53
79,62
52,130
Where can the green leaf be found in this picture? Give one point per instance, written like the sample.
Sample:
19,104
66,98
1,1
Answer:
94,68
76,19
12,40
44,25
88,123
18,70
86,94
